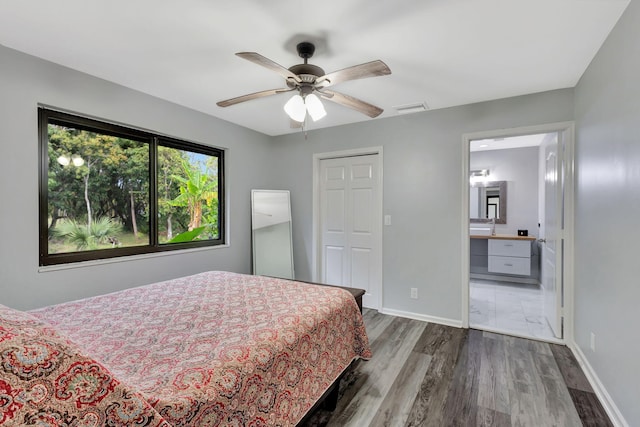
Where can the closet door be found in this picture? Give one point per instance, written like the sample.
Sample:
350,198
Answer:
350,225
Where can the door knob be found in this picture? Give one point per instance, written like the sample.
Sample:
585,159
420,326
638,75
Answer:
542,240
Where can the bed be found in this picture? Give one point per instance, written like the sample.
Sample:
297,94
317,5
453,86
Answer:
220,348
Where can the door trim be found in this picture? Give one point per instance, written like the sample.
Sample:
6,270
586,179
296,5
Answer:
315,249
567,233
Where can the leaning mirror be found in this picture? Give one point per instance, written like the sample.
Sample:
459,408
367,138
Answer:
271,233
488,200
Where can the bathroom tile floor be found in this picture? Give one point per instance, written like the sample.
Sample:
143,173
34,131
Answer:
508,307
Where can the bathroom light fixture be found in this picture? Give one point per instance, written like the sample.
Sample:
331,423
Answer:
479,173
297,107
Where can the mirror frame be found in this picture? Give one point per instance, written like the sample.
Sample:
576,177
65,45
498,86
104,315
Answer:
502,214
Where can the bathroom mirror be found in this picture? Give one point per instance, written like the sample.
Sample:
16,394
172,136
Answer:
488,200
271,233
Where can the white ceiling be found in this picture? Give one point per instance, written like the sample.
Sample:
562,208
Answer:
443,53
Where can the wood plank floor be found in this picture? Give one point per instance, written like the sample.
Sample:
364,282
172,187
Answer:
423,374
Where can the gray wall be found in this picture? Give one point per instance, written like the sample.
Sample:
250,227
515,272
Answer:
607,266
519,167
422,191
26,81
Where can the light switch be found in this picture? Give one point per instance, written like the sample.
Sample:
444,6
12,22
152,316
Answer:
387,220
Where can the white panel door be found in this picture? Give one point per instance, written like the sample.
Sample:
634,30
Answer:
350,225
551,274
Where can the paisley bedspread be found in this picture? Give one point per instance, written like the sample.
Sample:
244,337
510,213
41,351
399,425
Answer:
220,348
47,380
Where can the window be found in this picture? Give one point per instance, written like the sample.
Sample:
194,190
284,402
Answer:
108,191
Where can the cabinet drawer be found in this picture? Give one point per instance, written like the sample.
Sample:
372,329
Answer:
510,265
520,248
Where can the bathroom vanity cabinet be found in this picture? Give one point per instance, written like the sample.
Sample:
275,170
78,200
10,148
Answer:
509,257
504,257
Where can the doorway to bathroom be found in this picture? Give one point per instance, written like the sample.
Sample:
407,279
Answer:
518,231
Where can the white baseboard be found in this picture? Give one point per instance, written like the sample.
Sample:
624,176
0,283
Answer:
603,395
422,317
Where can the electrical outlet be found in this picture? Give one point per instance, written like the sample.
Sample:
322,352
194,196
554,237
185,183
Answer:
593,342
414,293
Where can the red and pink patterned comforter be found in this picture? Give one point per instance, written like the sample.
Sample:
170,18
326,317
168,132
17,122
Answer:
221,348
47,380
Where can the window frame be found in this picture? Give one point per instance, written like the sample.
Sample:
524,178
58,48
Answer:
48,116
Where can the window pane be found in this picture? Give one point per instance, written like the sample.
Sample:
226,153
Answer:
187,196
98,191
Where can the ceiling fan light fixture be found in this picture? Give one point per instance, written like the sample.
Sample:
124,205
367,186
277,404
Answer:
314,107
307,78
295,108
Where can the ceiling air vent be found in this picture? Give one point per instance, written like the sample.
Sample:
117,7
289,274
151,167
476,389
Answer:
411,108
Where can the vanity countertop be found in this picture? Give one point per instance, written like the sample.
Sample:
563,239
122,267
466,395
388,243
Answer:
503,237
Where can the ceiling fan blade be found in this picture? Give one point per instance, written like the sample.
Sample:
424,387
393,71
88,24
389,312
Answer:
368,69
256,58
250,96
351,102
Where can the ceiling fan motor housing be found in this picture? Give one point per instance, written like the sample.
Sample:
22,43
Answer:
307,69
308,73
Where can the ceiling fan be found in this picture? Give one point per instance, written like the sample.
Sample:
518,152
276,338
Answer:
309,80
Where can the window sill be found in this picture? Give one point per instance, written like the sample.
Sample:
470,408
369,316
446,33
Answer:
130,258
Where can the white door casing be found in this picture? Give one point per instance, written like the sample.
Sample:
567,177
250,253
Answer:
350,217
